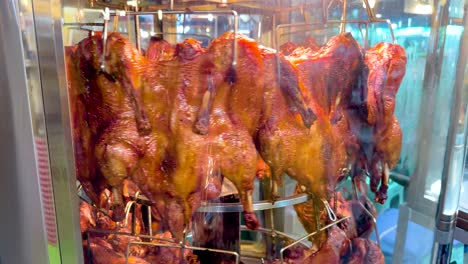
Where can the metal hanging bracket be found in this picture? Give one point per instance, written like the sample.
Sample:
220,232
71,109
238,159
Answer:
106,16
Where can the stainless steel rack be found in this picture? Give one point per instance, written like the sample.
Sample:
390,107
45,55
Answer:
154,241
264,205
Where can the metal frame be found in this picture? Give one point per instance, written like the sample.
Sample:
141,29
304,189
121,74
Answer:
23,218
48,23
107,14
182,245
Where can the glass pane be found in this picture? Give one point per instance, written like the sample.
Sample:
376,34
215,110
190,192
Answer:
309,115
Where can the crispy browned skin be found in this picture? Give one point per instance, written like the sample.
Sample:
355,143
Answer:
159,50
386,64
103,253
306,213
359,224
320,156
364,251
288,48
287,145
327,76
124,137
333,250
225,147
83,140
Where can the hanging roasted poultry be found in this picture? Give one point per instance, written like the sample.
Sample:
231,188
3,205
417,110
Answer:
317,157
83,140
386,65
223,147
119,126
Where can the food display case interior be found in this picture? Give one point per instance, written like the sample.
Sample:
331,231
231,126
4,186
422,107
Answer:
285,131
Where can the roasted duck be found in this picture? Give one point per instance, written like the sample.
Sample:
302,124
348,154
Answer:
178,120
83,140
364,251
386,64
159,50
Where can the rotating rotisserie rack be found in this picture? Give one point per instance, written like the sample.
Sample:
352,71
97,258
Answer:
149,239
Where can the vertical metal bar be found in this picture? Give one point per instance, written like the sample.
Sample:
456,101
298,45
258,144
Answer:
343,17
404,215
452,174
137,28
150,220
274,39
236,30
48,17
370,13
104,44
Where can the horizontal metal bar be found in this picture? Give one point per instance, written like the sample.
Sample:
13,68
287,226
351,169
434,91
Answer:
359,21
271,231
111,232
257,206
184,34
172,12
83,24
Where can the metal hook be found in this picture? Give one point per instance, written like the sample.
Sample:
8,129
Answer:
374,220
106,15
330,212
127,210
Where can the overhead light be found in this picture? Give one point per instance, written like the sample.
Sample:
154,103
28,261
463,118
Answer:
420,7
378,15
371,3
144,34
210,17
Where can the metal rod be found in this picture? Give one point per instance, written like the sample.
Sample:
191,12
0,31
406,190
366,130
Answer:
268,231
370,12
150,220
182,244
309,235
137,28
83,24
184,12
452,172
331,214
173,12
357,21
374,220
110,232
343,17
257,206
104,45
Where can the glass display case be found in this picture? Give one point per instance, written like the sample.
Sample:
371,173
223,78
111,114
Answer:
231,131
